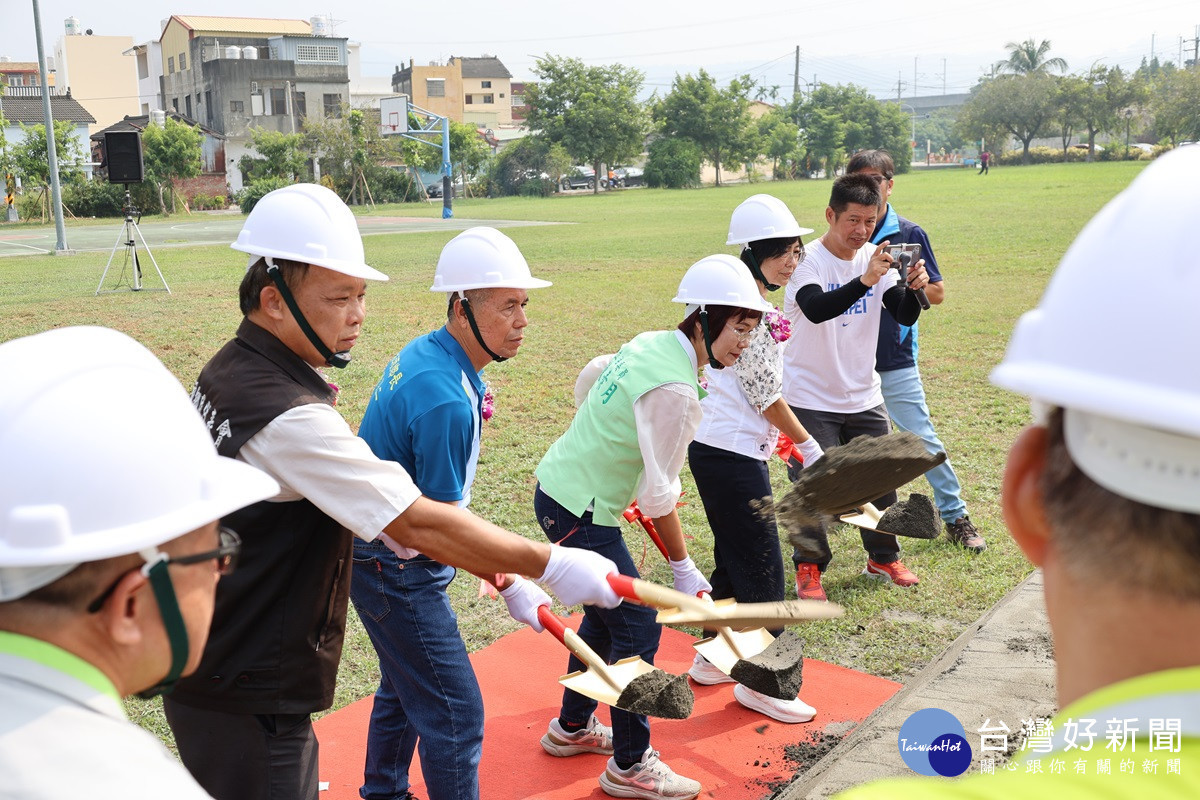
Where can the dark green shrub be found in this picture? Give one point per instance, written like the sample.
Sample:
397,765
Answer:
249,196
673,163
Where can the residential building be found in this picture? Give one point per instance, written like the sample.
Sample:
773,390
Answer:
147,57
98,73
23,73
473,90
365,90
234,73
26,108
520,109
211,180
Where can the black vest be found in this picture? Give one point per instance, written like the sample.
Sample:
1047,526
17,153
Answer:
280,617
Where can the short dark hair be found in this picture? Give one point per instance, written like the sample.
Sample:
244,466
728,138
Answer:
1158,550
81,585
857,189
718,318
475,296
872,159
256,279
763,249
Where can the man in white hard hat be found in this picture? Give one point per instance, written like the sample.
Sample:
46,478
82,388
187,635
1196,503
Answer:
426,414
110,493
1102,492
896,355
243,721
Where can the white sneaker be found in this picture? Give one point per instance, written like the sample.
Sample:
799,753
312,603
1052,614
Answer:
783,710
649,778
703,671
595,737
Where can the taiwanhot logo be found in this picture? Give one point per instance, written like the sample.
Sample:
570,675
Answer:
933,742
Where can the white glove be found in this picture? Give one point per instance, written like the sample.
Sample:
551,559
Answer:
397,548
523,599
580,576
688,579
810,450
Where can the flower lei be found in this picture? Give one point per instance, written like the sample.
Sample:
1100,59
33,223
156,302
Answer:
779,325
489,404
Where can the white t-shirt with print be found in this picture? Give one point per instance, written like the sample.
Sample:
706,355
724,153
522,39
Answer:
830,366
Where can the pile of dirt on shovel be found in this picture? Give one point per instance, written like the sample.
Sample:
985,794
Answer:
658,694
777,671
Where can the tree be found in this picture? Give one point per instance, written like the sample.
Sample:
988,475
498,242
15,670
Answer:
717,120
1070,108
282,156
673,163
836,119
592,112
528,166
1108,94
170,152
1021,105
1030,58
31,160
781,142
1175,98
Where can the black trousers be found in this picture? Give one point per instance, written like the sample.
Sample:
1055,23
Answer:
246,756
749,562
831,429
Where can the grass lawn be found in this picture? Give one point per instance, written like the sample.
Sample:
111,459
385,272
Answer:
615,269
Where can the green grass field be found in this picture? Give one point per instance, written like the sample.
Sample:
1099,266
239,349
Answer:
615,267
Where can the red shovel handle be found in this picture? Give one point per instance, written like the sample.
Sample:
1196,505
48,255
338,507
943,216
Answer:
551,622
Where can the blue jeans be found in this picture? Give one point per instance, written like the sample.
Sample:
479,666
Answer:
428,698
614,633
904,396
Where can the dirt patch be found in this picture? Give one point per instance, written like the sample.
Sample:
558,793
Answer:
1041,644
658,694
801,756
776,671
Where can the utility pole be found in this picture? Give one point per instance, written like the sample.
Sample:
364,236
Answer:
796,78
60,246
899,85
914,83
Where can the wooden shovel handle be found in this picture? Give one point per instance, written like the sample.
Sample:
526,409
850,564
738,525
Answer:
652,594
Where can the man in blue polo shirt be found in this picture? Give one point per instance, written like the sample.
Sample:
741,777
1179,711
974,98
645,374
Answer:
896,357
426,413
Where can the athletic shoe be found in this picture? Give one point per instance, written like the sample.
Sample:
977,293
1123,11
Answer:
705,672
649,778
595,737
808,582
964,534
783,710
895,572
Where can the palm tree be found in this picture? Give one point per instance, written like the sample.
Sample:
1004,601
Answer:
1029,57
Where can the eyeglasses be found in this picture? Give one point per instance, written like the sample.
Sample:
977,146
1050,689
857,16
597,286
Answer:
744,338
880,179
226,556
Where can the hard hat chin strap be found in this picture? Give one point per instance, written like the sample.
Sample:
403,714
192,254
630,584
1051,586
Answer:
712,362
757,272
339,360
168,608
466,307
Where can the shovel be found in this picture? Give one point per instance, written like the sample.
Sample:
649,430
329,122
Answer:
914,517
680,608
630,684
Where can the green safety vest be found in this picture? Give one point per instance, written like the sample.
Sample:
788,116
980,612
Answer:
597,462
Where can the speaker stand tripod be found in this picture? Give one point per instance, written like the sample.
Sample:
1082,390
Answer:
126,241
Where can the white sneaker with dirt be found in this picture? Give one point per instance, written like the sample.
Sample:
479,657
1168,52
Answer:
649,778
705,672
789,711
595,737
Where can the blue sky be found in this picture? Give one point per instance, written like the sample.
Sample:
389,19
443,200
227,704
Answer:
872,44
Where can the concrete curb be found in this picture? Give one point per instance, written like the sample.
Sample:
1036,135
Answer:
1000,668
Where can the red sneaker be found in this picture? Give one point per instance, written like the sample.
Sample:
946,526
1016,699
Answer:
808,582
895,572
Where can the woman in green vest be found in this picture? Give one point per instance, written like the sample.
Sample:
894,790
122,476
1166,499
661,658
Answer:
628,441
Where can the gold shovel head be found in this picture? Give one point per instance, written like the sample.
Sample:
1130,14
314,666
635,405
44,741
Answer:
867,516
741,616
724,653
607,687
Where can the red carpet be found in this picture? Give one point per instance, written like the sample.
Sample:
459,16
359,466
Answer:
733,752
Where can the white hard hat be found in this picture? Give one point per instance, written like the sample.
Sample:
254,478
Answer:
101,455
308,223
762,216
720,280
482,258
1111,341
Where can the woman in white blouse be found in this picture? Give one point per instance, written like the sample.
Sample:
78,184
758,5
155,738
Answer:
744,413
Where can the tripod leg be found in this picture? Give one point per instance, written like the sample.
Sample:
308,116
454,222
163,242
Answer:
150,253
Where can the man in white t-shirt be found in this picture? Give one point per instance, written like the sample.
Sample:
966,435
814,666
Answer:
834,300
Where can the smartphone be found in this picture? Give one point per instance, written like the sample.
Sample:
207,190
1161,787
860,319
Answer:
914,251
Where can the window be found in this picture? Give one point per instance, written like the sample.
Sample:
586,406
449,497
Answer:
318,54
332,104
278,102
187,105
489,98
518,99
175,104
485,84
502,95
237,107
435,87
300,104
170,65
469,99
182,61
208,106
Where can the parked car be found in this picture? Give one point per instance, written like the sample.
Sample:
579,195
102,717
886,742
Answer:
579,177
629,176
433,186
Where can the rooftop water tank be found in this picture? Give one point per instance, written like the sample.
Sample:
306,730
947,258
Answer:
250,52
233,51
321,25
73,27
158,117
